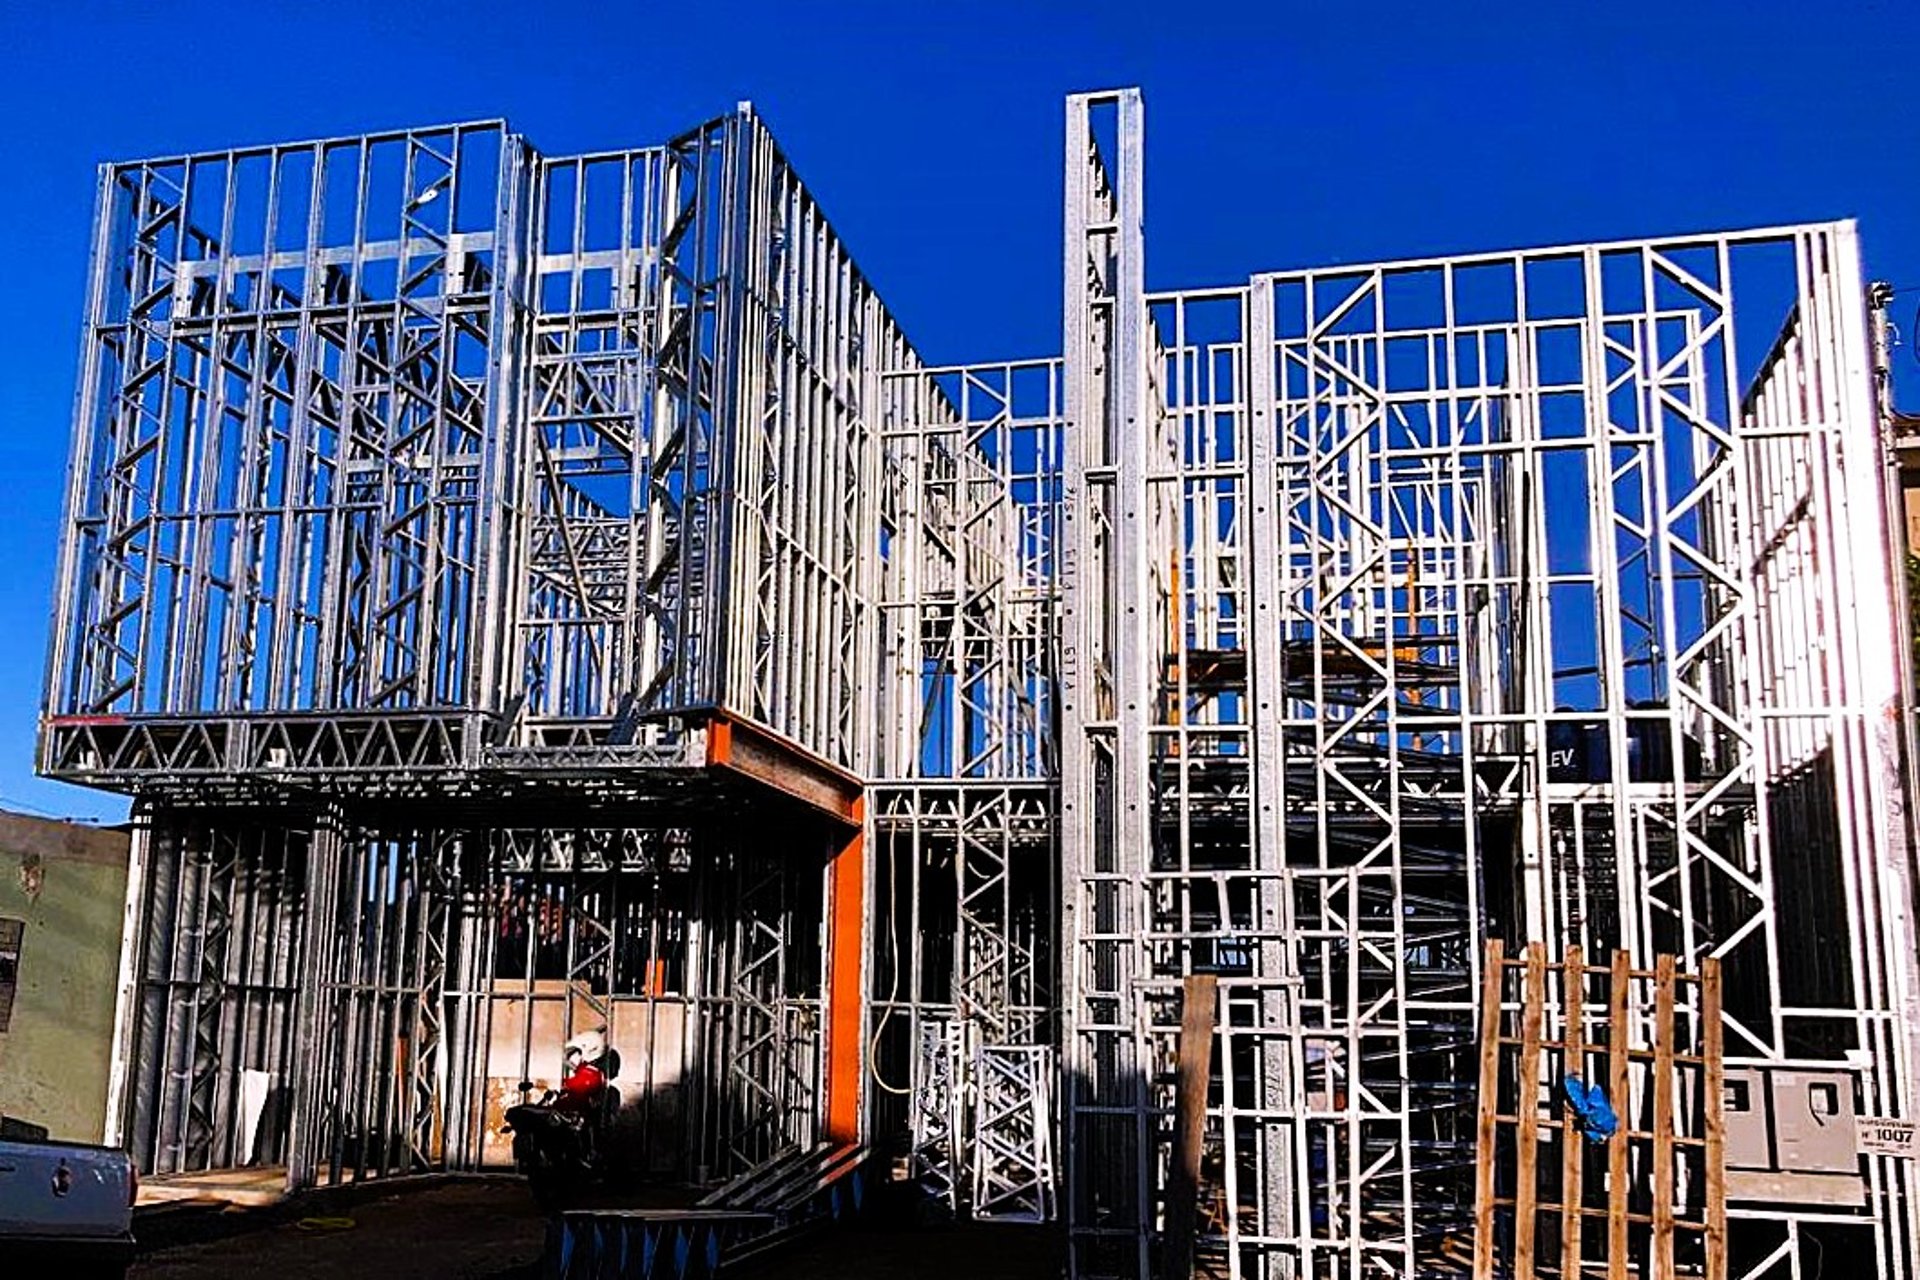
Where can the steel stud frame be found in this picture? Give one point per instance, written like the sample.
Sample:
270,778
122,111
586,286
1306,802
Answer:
436,507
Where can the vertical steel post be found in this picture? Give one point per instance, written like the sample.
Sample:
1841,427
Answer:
848,931
1105,685
314,1092
128,1043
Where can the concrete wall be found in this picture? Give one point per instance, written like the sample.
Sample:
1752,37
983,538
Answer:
68,883
527,1032
1910,501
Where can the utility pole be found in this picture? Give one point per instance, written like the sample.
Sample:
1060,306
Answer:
1879,303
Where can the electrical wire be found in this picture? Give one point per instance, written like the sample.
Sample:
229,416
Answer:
21,806
893,997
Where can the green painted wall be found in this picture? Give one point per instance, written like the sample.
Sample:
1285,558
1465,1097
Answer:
69,883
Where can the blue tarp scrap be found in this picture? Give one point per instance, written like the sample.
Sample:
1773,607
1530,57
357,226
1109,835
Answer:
1590,1107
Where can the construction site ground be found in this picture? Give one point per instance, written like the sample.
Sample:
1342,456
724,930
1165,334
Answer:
490,1229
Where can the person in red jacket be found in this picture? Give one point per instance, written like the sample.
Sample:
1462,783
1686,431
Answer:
584,1085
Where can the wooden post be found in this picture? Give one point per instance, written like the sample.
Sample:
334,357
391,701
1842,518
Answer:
1662,1083
1527,1111
1619,1041
1573,1063
1712,1104
1199,1001
1483,1182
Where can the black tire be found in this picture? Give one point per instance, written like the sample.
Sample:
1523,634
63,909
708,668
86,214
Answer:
96,1271
547,1188
527,1156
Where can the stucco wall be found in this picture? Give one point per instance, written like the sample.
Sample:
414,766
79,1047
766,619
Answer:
68,883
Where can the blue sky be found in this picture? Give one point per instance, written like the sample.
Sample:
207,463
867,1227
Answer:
1279,134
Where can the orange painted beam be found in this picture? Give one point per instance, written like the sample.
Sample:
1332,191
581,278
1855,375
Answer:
846,1011
749,751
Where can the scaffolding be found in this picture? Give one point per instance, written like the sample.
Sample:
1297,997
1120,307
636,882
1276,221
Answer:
526,593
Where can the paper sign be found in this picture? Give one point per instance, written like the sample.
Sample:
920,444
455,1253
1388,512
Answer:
1888,1137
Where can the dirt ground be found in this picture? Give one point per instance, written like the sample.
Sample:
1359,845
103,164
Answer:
482,1230
491,1230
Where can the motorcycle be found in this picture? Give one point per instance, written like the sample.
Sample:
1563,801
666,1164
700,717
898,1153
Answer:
560,1142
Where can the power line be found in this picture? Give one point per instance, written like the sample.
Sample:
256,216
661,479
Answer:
21,806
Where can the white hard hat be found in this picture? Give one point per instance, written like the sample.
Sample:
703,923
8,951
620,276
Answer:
590,1045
